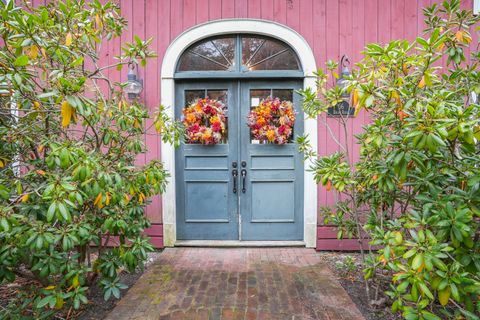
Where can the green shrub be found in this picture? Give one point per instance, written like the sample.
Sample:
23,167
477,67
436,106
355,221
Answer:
69,141
415,190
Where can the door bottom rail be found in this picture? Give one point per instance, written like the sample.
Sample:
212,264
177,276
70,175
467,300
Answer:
237,243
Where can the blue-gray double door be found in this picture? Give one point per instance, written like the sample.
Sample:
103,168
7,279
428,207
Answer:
240,189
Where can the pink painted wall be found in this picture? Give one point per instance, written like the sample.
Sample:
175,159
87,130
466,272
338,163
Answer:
331,27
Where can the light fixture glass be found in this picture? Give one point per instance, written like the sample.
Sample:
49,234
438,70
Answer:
134,86
342,82
343,108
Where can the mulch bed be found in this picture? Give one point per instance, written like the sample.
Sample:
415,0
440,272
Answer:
352,281
97,308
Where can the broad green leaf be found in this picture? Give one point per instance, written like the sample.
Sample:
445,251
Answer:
21,61
417,261
430,316
51,211
443,296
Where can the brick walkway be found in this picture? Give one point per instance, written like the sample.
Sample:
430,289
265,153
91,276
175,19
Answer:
237,283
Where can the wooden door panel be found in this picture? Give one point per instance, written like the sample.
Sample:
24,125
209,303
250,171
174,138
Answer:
272,206
207,208
280,208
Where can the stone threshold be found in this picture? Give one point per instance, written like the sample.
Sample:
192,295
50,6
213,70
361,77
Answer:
237,243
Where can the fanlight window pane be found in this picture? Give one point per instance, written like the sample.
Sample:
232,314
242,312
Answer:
219,54
267,54
213,54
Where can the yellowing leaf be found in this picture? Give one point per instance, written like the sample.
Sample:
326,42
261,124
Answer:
398,238
75,282
59,302
421,84
444,295
459,35
44,52
40,148
417,262
24,198
66,112
99,201
50,288
329,185
1,163
36,105
357,110
107,199
98,22
401,114
127,198
68,39
396,97
33,54
355,98
40,172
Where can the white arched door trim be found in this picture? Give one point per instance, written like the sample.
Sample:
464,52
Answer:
170,59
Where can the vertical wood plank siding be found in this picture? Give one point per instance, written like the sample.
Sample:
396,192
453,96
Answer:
331,27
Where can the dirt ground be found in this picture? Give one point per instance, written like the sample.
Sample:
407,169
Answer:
98,308
351,278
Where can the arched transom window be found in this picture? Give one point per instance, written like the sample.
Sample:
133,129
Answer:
235,54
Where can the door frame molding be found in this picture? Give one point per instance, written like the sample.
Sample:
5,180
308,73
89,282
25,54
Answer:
235,26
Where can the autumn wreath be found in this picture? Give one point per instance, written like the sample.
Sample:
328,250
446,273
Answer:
204,121
272,121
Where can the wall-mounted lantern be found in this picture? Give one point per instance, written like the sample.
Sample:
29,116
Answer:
343,108
134,86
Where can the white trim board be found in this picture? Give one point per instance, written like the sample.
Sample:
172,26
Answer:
476,6
170,59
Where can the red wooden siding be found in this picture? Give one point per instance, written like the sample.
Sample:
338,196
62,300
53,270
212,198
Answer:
331,27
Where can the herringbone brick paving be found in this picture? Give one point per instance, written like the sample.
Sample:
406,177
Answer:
237,283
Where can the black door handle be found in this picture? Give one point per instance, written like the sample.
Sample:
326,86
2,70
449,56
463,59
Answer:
235,175
244,176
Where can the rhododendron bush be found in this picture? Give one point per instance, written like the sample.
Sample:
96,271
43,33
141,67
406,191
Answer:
414,192
68,144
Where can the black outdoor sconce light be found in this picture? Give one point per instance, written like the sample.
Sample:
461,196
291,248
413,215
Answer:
134,86
343,108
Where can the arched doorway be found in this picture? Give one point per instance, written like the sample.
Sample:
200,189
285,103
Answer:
242,69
